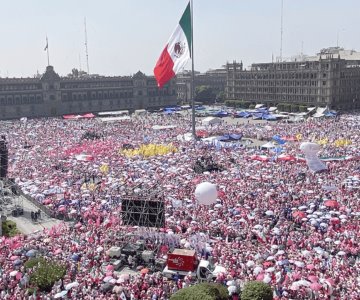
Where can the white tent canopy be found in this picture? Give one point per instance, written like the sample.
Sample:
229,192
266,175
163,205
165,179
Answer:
320,112
160,127
139,112
211,121
268,145
115,119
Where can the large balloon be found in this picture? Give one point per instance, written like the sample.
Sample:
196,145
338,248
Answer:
206,193
310,151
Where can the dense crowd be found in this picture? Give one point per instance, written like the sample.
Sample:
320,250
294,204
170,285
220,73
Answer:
273,221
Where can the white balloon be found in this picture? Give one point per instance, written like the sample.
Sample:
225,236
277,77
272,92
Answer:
206,193
310,151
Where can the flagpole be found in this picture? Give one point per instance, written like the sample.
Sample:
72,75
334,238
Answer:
47,50
192,71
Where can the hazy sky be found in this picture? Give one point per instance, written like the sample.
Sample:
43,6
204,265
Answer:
125,36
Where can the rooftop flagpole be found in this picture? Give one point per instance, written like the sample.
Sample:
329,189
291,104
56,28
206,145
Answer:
47,50
192,71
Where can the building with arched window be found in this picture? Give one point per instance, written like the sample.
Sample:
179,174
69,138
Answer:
52,95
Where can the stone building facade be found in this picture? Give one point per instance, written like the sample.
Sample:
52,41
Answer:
52,95
216,79
331,78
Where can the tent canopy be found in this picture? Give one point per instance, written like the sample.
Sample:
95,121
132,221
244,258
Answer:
268,145
211,121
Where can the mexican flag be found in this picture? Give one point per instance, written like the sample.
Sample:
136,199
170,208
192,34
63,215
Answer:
177,51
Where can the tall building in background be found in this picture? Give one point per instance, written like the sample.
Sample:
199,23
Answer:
331,78
52,95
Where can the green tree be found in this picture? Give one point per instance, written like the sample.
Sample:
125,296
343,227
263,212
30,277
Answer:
220,97
230,103
45,274
256,290
303,108
294,108
202,291
205,94
9,228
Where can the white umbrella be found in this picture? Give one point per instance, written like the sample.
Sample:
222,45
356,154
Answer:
271,269
60,295
276,231
71,285
304,282
232,289
218,205
280,252
319,250
250,263
303,207
230,282
258,270
258,226
341,253
13,273
269,213
313,222
328,240
299,264
267,279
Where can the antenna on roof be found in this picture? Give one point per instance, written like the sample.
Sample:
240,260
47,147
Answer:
281,29
86,49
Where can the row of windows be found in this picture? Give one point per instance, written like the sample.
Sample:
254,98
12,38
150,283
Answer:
20,100
99,84
278,90
20,87
96,95
280,98
258,76
273,83
118,103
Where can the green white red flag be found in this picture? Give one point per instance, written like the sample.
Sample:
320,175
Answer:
177,51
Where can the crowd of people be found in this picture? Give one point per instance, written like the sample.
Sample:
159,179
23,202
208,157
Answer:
273,221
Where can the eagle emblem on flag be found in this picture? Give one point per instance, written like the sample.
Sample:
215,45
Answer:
179,49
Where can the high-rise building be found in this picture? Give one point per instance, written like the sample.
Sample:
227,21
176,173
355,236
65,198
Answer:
331,78
52,95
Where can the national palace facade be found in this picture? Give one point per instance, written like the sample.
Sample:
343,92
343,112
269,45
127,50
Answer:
52,95
331,78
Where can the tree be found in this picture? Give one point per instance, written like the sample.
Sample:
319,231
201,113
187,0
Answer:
294,108
256,290
45,274
202,291
9,228
220,97
75,72
205,94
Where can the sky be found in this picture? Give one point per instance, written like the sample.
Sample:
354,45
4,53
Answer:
125,36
